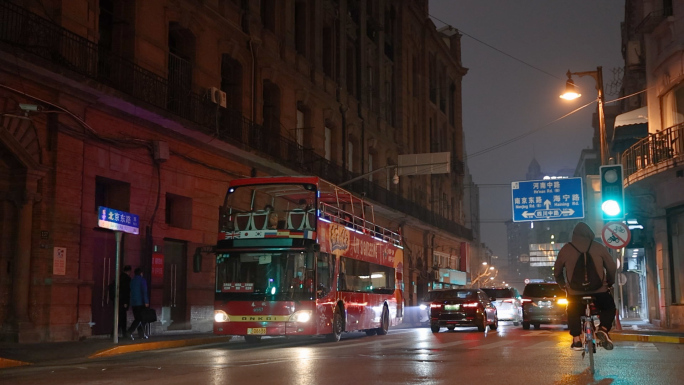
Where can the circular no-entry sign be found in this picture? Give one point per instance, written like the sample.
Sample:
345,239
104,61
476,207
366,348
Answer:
616,235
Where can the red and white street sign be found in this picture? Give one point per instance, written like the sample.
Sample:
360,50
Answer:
616,235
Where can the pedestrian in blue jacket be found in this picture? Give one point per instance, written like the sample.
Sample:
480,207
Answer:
139,301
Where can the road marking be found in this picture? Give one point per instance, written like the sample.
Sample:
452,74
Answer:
543,345
540,333
641,346
494,345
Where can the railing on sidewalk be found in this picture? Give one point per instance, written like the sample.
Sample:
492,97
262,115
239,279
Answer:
38,36
654,149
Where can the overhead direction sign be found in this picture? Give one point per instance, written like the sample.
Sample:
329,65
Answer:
547,200
117,220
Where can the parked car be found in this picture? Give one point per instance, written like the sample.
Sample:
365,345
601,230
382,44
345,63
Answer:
508,303
462,307
543,303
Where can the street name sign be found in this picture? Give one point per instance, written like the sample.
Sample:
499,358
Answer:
117,220
547,200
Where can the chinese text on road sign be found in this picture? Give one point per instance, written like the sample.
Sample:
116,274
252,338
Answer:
544,200
117,220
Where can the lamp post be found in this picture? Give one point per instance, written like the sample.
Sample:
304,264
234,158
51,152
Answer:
571,93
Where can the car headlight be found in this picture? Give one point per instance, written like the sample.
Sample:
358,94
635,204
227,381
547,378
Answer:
221,316
422,306
300,316
562,301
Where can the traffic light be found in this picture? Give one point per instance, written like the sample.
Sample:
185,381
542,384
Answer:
612,195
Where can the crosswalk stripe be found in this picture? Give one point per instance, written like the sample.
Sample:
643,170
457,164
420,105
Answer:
494,345
543,345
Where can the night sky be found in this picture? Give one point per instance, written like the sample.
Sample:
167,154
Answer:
517,54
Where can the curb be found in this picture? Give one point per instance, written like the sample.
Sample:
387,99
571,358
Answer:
7,363
646,338
131,348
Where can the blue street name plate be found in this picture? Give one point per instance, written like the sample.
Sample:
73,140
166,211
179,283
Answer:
117,220
547,200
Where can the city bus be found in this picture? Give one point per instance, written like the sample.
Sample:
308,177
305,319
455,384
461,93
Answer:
299,256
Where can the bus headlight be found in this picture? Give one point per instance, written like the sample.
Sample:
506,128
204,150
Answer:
300,316
221,316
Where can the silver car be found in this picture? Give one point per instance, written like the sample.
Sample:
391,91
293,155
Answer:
508,303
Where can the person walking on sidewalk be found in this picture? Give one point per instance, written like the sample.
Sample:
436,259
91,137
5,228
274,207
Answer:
139,301
604,265
124,297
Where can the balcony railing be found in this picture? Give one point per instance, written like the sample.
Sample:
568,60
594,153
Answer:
653,150
38,36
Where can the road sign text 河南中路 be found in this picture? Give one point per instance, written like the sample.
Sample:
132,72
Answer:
549,199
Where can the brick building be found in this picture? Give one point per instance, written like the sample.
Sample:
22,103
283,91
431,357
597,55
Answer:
151,107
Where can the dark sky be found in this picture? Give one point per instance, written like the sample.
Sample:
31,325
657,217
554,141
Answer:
505,97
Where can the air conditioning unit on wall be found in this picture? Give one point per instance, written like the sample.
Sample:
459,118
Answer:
217,96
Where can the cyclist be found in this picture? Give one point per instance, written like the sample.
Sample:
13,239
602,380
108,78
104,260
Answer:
582,239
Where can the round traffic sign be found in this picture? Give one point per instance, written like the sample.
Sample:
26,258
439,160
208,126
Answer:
621,279
616,235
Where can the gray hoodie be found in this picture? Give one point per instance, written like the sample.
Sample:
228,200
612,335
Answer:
582,237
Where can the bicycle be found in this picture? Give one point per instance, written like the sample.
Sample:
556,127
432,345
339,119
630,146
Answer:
589,329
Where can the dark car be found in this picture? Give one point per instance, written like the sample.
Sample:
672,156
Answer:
508,303
424,306
462,307
543,303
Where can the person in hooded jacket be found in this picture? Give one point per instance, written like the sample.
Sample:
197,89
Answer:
139,301
583,240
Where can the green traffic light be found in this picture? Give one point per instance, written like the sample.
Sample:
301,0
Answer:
611,207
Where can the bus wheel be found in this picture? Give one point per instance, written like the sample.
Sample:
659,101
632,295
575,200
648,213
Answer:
336,327
384,322
252,339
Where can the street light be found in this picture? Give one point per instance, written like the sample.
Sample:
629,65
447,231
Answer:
571,93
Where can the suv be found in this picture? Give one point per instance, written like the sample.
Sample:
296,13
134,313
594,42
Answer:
543,303
508,303
424,306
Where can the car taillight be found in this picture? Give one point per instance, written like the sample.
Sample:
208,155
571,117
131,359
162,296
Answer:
562,301
470,304
526,300
435,306
509,301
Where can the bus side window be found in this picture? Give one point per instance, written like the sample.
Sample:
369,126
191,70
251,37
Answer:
324,274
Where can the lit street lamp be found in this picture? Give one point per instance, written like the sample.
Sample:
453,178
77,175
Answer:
571,93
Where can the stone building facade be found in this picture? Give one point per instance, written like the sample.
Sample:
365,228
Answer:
151,107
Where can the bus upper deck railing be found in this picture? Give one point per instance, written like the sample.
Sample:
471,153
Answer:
305,219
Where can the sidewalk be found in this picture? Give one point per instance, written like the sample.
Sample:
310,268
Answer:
13,354
642,331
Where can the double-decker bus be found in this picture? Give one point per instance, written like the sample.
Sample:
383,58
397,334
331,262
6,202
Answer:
299,256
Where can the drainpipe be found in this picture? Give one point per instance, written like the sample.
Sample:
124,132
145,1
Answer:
252,50
343,113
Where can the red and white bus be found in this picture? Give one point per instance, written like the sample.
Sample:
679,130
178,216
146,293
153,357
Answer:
299,256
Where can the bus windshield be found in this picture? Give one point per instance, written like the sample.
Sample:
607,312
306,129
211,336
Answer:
270,276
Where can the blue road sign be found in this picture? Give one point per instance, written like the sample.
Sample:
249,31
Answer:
547,200
117,220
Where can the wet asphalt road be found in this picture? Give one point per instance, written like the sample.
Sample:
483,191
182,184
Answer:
404,356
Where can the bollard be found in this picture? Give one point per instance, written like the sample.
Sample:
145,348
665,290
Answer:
617,320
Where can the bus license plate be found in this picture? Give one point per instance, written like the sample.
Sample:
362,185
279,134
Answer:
256,331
